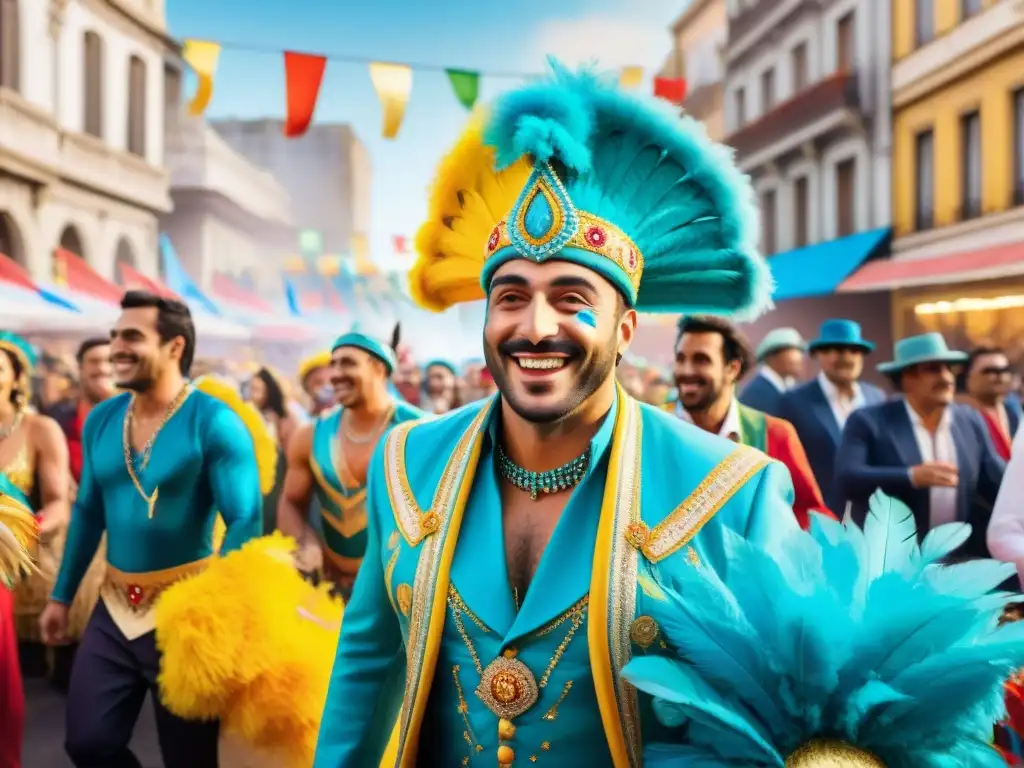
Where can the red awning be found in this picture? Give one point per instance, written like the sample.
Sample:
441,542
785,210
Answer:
74,273
889,274
230,291
133,280
12,272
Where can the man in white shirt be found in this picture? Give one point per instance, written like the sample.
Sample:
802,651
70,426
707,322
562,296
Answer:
780,356
819,409
925,450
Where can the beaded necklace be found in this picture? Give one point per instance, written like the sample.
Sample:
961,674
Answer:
550,481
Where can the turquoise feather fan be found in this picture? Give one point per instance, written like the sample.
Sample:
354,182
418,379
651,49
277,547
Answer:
848,635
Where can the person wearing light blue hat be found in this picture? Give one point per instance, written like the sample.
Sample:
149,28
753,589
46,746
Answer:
819,408
924,449
780,356
511,549
328,459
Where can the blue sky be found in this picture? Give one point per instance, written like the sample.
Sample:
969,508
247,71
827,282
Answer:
500,37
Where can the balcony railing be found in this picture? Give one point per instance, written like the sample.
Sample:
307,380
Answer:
924,219
836,93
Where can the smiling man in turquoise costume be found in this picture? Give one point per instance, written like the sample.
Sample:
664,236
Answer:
160,461
510,541
329,457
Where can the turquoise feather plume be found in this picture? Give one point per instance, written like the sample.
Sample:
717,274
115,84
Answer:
856,635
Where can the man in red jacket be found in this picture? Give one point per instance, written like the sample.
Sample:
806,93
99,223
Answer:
712,354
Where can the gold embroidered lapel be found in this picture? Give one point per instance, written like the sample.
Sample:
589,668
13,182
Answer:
438,529
613,590
678,529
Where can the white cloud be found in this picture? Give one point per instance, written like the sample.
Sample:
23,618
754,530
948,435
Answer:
611,40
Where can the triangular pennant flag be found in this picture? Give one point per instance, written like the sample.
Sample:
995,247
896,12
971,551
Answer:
631,77
671,89
393,83
202,56
466,85
303,75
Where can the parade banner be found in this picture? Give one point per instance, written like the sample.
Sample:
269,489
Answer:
303,77
392,81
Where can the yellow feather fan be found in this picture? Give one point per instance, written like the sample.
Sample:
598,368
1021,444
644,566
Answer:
18,538
249,642
263,441
467,200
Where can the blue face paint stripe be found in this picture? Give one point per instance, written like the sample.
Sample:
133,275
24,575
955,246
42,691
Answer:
587,317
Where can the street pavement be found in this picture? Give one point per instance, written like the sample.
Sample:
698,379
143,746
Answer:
44,730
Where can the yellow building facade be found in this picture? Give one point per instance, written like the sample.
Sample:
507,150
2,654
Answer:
957,178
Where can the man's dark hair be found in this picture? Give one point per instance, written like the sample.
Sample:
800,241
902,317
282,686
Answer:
90,344
173,319
972,357
735,345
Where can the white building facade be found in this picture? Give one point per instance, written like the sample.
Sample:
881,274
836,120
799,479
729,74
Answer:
82,107
807,95
230,216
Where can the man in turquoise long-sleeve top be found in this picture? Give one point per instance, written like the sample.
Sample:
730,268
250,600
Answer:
514,555
160,462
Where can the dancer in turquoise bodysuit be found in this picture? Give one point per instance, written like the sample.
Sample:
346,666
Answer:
329,458
160,462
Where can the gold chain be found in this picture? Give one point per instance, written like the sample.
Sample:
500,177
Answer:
126,441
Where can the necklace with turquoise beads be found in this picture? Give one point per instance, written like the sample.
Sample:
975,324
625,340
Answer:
561,478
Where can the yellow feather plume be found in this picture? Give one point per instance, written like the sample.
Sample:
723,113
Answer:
248,641
18,539
467,200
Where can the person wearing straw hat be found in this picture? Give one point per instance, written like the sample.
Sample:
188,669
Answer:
315,378
780,356
820,407
924,449
509,540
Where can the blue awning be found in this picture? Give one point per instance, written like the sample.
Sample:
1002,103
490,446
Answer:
817,270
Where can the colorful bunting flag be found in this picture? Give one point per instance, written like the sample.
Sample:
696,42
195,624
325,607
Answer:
202,56
400,244
393,83
466,85
303,75
672,89
631,77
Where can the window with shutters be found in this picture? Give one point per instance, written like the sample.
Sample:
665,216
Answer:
768,215
846,197
970,155
924,21
846,52
768,91
1017,151
137,106
10,45
741,107
924,181
92,92
969,8
801,213
799,64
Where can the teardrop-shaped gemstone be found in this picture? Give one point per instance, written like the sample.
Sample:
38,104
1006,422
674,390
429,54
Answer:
539,216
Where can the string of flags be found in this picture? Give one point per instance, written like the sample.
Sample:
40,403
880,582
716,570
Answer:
304,73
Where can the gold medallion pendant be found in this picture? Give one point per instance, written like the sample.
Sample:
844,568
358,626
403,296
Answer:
508,687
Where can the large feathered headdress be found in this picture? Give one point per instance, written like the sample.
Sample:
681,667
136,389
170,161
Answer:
576,169
846,648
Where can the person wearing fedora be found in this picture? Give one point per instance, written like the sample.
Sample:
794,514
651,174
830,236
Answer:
780,356
819,408
924,449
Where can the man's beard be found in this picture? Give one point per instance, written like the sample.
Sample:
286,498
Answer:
712,393
594,371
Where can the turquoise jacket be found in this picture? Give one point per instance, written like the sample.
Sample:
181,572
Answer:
342,509
432,631
202,462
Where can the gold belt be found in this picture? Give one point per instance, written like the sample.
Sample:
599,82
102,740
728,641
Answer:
138,591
